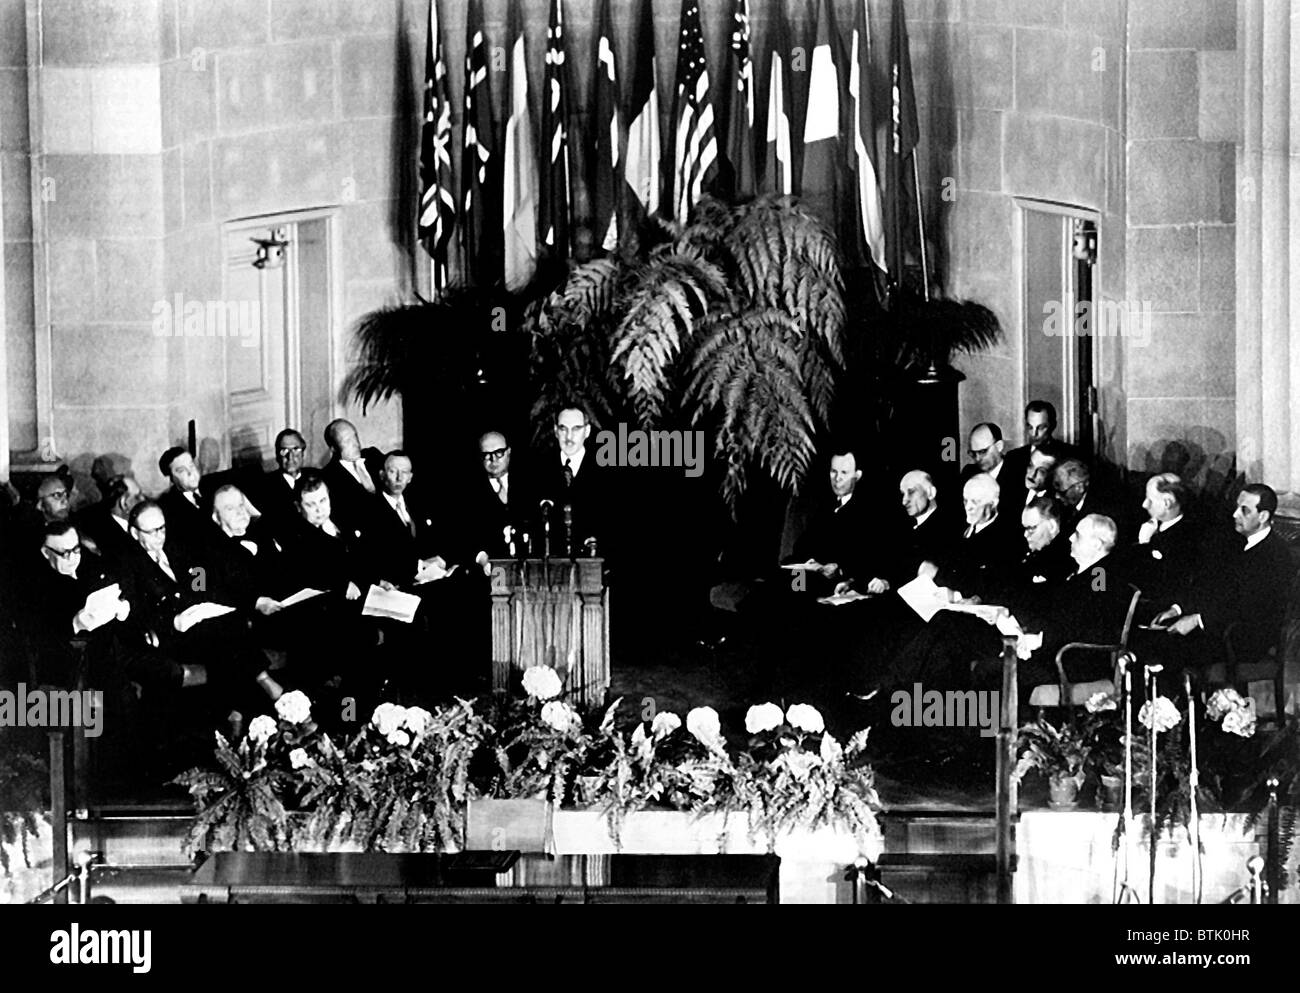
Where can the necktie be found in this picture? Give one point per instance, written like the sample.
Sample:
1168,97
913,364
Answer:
501,490
362,476
406,518
192,497
160,557
970,531
568,473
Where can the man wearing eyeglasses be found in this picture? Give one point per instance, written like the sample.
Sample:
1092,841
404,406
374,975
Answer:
274,497
577,482
61,601
500,499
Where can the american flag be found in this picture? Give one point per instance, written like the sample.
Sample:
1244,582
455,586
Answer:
437,199
554,204
695,152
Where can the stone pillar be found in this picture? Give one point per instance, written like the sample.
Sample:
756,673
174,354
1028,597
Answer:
1268,245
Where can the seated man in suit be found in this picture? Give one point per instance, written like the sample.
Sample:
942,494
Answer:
350,475
986,452
835,543
53,504
106,523
54,610
1040,433
405,543
1073,483
247,551
987,547
1038,477
1166,559
1249,591
187,507
275,495
500,499
932,530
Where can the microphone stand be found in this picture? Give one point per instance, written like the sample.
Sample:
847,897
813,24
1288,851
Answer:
1194,783
1151,701
546,506
1123,892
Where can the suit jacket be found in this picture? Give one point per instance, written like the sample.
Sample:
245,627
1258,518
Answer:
249,567
273,496
194,524
113,541
49,602
1168,567
488,517
931,541
157,598
1252,588
1011,487
1089,606
985,558
314,559
842,534
352,507
589,496
393,548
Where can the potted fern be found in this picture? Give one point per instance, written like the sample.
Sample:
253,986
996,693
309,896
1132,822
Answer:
1059,754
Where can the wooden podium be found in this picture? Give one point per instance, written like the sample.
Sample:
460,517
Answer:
552,612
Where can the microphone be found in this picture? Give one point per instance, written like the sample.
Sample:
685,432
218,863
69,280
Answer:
568,529
546,505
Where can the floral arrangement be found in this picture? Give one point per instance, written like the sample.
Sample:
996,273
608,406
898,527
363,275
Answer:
1057,753
402,782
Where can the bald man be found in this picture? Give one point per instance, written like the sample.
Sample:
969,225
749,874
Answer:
352,475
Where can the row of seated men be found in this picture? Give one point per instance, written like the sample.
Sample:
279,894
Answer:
1062,557
206,623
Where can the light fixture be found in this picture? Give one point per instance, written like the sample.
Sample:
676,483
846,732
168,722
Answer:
270,251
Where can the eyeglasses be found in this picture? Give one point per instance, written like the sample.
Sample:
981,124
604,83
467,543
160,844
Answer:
56,495
152,531
290,450
496,455
63,553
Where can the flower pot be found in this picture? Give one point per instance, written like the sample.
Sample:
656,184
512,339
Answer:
1063,792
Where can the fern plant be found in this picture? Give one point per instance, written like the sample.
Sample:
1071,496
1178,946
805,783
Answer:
240,802
732,324
24,782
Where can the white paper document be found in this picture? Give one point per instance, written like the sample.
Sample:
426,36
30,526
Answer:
839,599
923,596
391,603
304,594
103,602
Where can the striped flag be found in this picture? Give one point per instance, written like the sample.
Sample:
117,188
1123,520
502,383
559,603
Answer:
819,182
778,168
904,133
437,193
695,148
605,105
481,227
520,197
555,194
738,181
869,221
641,160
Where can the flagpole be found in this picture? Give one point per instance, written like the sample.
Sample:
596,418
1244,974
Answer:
920,225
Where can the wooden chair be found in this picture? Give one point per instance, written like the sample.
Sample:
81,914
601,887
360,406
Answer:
1068,694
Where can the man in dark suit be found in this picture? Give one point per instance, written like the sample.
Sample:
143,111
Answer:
274,495
106,523
1073,484
187,506
932,530
500,498
407,548
988,545
1040,433
986,452
1249,590
835,545
1166,559
350,475
576,481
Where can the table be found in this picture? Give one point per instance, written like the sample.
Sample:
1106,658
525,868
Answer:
482,877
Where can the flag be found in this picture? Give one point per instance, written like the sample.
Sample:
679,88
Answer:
904,132
695,147
437,194
737,179
604,167
641,160
481,227
869,223
778,172
555,195
819,182
520,195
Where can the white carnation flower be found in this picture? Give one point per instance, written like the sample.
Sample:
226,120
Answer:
1221,702
1241,720
542,682
1164,715
399,738
418,721
764,717
800,764
1101,701
560,716
294,707
261,729
388,717
665,724
298,758
830,749
705,725
806,718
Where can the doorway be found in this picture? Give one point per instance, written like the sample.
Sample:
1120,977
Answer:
1060,257
280,372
